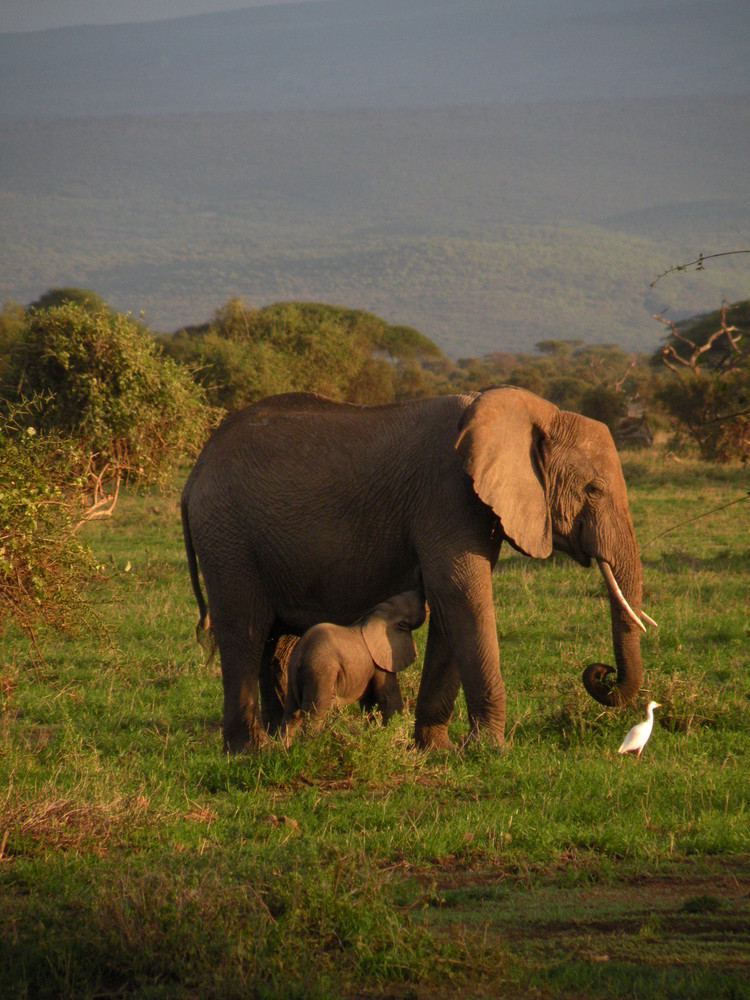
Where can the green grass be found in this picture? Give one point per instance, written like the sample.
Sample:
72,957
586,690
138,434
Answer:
137,860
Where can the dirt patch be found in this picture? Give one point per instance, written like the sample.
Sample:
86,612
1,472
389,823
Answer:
581,930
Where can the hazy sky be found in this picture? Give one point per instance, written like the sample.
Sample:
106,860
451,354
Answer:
35,15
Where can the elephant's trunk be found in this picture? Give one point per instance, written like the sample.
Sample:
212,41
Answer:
625,605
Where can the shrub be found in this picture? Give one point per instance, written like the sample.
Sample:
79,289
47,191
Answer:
83,297
84,395
713,411
246,353
106,386
12,327
603,403
42,564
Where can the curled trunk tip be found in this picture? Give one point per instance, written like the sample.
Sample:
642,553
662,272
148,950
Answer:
612,695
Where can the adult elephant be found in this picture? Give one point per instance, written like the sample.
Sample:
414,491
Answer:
302,510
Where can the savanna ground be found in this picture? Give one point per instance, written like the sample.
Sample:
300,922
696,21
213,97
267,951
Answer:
137,860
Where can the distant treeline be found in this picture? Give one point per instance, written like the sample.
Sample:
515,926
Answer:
90,398
245,353
482,226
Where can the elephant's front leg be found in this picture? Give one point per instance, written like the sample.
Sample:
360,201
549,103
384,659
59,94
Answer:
462,648
319,675
438,688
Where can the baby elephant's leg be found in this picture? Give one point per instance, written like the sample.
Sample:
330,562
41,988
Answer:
318,693
386,693
290,723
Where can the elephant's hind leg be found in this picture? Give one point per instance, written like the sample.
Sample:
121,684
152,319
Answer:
241,630
241,727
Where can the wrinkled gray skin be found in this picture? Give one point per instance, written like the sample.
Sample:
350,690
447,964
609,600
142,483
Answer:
302,510
336,663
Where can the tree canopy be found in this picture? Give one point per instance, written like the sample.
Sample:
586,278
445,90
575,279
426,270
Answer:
708,395
244,354
86,398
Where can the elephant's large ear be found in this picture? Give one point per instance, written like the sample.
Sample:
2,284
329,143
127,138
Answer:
391,648
500,442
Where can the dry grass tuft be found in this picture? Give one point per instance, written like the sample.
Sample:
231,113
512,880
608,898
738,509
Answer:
66,823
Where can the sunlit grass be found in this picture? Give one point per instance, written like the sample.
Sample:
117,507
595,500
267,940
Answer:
137,859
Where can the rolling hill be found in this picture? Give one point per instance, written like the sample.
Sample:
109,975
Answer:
491,180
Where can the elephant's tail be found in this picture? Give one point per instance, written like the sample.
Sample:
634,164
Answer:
203,632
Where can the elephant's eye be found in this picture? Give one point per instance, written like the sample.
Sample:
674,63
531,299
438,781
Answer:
594,490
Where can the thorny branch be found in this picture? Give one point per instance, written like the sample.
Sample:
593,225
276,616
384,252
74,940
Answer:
103,504
697,263
619,382
697,517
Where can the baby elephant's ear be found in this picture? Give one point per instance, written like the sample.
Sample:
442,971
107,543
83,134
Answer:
391,648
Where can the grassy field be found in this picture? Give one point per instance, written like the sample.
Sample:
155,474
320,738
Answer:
137,860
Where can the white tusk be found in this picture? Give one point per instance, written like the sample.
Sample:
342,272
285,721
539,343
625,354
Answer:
649,621
609,576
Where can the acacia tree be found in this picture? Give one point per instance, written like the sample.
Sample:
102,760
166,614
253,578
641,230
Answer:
246,353
708,394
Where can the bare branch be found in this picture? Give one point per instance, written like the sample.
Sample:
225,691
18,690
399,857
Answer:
697,263
103,504
619,382
669,354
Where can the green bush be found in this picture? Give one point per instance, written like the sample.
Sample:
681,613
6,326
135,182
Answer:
245,353
83,297
43,565
106,385
85,396
604,403
713,411
12,327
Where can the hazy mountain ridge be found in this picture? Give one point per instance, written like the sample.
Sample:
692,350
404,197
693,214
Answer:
452,220
396,53
485,221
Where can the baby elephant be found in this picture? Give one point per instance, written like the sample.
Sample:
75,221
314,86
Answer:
358,662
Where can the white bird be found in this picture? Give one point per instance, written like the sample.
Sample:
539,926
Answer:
638,736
